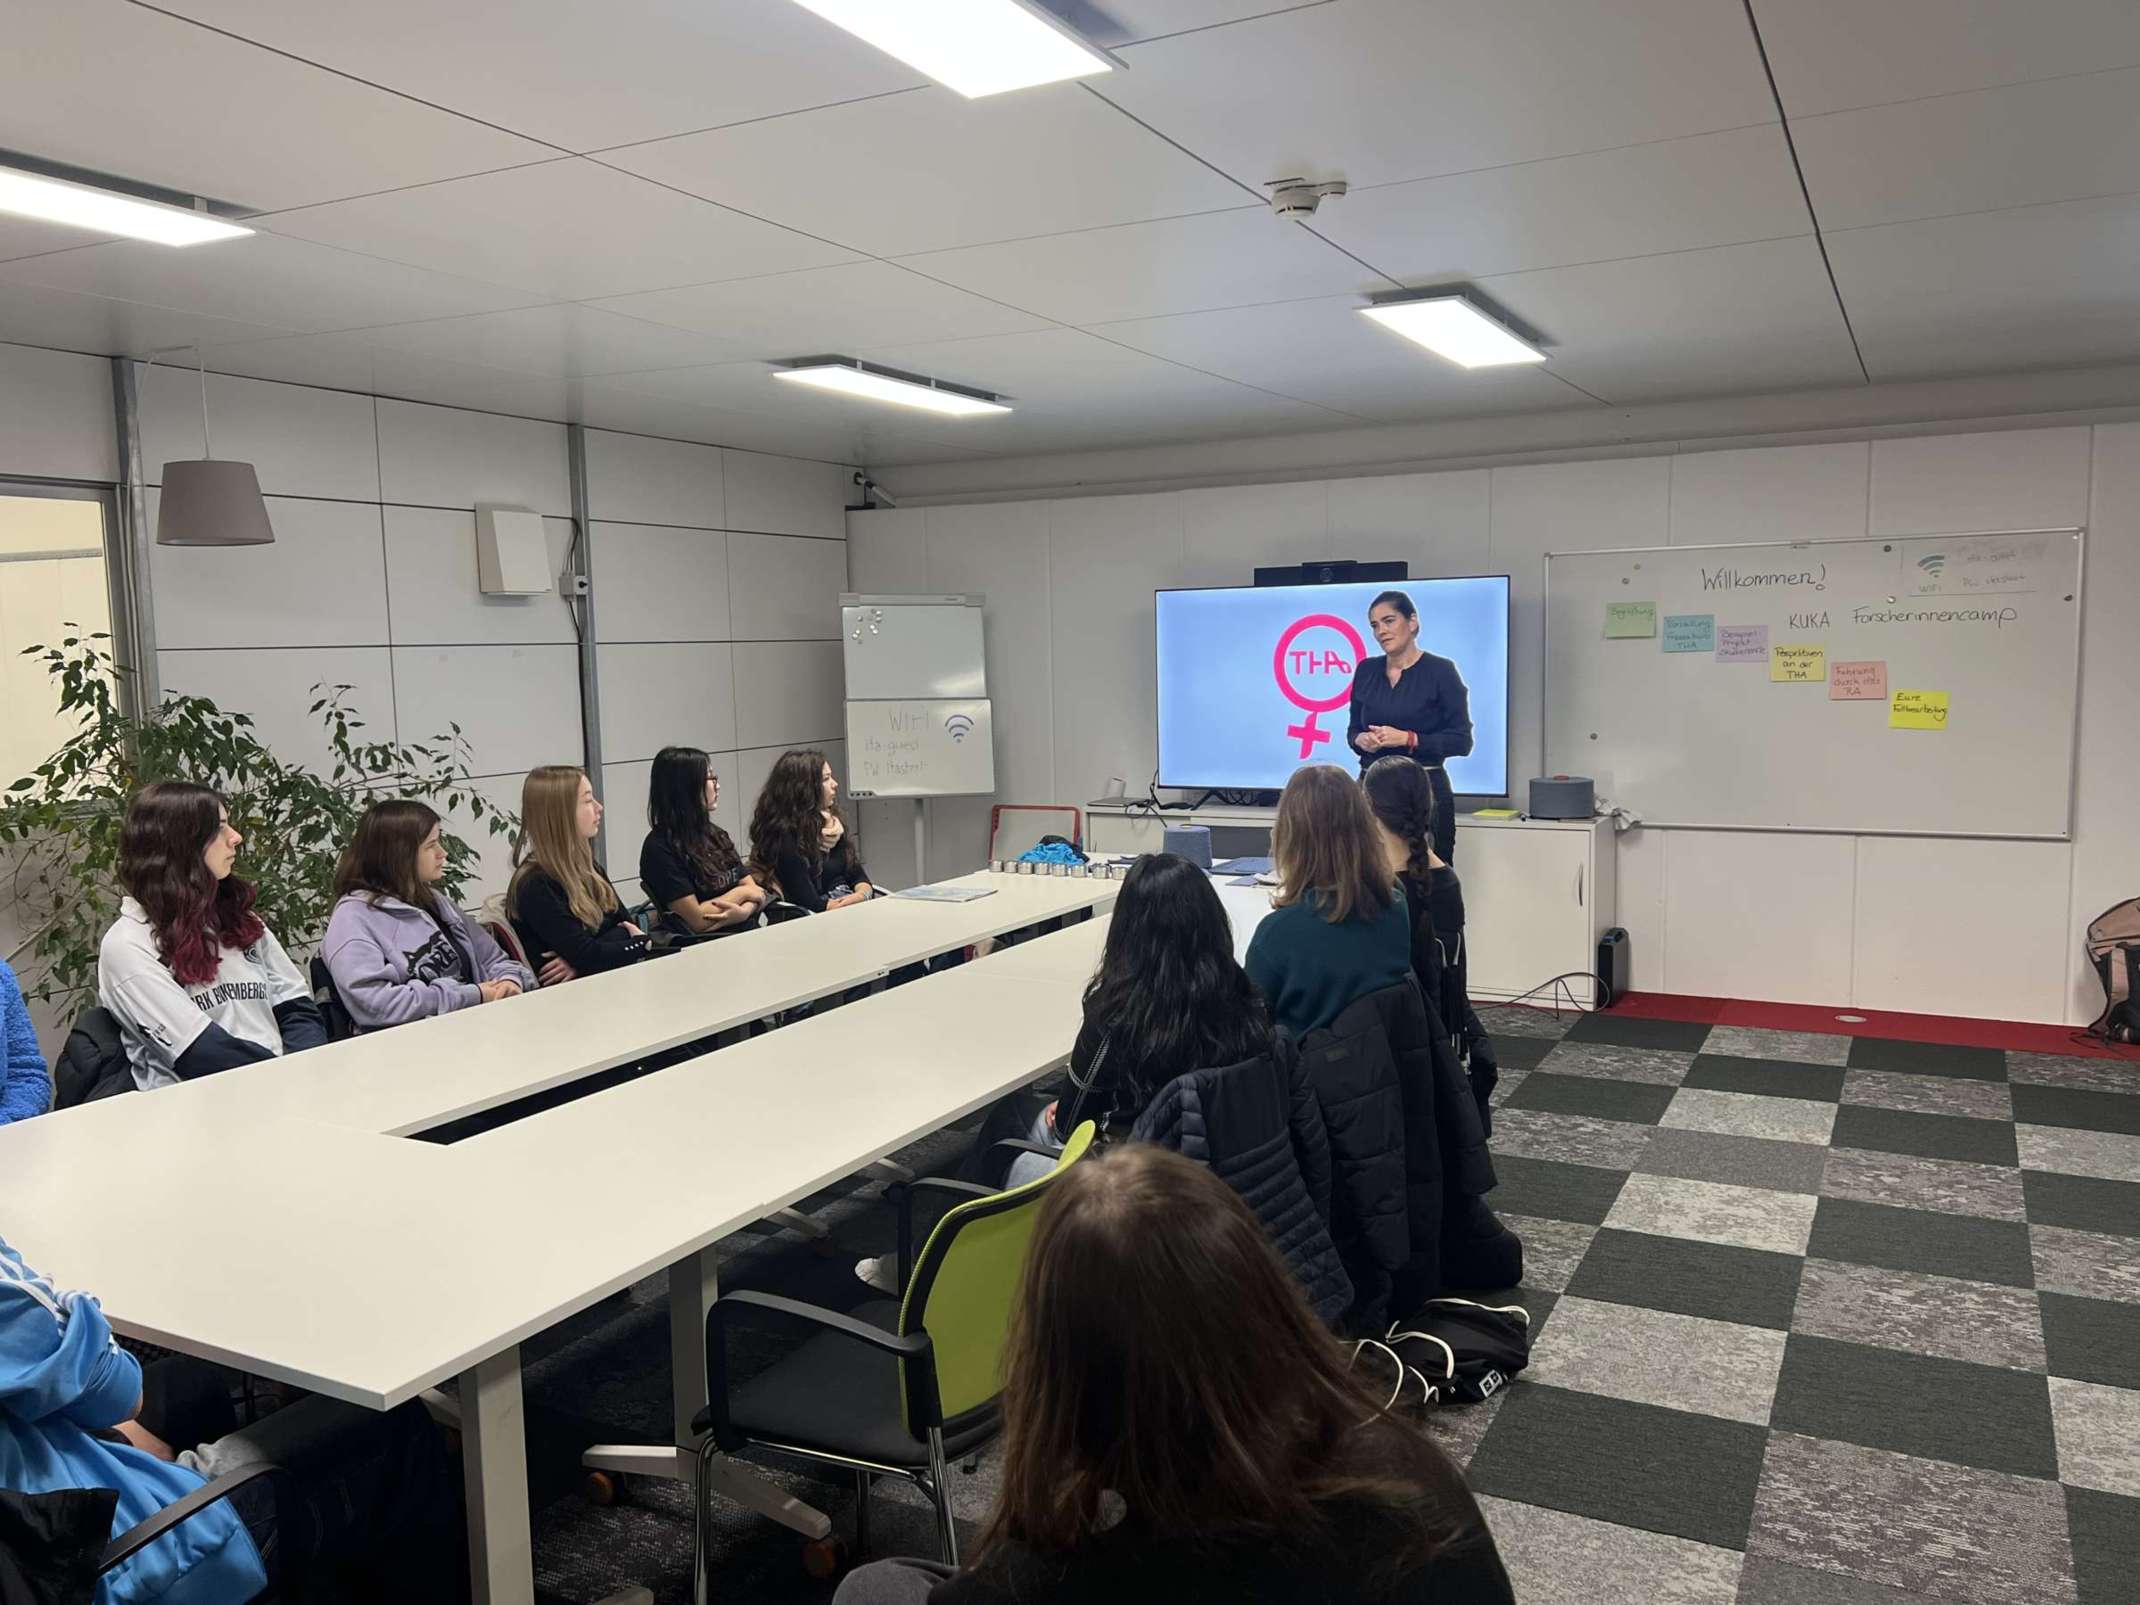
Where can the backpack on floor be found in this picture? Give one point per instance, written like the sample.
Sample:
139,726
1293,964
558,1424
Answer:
2114,951
1463,1350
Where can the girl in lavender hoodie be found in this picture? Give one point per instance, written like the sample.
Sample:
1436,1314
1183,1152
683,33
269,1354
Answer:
397,950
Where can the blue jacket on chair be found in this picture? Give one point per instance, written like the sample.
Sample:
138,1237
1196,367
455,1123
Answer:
25,1083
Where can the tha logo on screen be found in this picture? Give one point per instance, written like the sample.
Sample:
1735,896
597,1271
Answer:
1315,673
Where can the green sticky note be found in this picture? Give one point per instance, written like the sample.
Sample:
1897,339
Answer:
1630,621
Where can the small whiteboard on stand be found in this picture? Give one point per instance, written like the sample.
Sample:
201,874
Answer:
919,723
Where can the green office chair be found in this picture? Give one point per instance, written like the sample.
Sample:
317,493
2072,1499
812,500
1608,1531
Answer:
898,1388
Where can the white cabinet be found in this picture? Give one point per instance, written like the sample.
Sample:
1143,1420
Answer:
1538,893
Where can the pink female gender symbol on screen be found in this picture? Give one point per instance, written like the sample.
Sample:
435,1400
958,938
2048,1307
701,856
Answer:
1308,730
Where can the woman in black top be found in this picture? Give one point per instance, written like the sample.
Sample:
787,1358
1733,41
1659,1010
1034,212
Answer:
568,917
1411,702
688,866
1177,1425
799,840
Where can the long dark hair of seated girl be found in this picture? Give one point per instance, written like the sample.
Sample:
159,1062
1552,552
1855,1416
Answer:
168,827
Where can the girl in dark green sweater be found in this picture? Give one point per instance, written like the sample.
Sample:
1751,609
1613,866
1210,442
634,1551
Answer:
1338,929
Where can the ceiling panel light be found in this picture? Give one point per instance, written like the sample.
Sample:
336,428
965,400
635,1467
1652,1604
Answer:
978,47
852,378
56,200
1449,325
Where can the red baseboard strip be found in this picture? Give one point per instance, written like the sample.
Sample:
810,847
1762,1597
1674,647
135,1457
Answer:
2020,1036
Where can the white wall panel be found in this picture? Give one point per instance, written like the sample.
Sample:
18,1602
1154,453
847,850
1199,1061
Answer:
275,686
447,457
2013,479
1763,916
1438,523
1001,553
624,787
786,495
1229,531
519,706
665,695
434,594
1770,493
2106,844
1105,558
302,441
322,583
887,551
782,588
494,852
56,415
653,583
1554,507
636,479
789,692
1973,928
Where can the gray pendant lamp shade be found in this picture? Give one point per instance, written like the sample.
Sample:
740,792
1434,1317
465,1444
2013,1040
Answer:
209,502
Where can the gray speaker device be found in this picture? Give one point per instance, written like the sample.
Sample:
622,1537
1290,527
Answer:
1192,842
1563,797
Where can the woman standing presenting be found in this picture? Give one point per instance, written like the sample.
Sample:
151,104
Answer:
1410,703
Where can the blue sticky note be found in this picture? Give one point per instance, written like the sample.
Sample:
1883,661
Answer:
1690,632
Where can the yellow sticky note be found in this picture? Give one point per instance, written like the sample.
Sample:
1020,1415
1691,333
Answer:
1918,710
1798,665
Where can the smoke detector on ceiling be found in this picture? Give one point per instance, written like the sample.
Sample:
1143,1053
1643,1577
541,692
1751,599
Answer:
1296,199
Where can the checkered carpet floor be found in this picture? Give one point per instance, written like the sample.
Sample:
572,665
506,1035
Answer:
1818,1320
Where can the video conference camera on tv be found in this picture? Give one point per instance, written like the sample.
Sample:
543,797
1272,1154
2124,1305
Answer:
1331,571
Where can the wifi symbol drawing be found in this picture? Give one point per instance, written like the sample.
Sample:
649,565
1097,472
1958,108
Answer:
958,725
1932,563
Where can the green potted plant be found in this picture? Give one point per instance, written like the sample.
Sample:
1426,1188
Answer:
59,826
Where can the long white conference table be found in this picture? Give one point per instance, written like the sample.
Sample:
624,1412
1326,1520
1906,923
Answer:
280,1219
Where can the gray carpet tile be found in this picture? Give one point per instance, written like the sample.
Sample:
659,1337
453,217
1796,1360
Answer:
2091,1264
1713,1280
1573,1139
1616,1063
1909,1181
2109,1155
1639,1102
1770,1582
1555,1558
1678,1362
1745,1114
2105,1530
1920,1314
1505,1087
1460,1428
1522,1053
1915,1240
1631,1031
2082,1110
2098,1435
1771,1078
1664,1471
2092,1339
1556,1191
1551,1248
1895,1131
1915,1404
1784,1167
1798,1047
2072,1070
1953,1532
1517,1020
2086,1203
1926,1058
1712,1212
1929,1095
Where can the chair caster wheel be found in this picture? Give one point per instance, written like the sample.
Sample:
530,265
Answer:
825,1558
604,1489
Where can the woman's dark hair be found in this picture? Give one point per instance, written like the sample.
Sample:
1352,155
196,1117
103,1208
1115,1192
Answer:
1169,994
380,860
1403,800
1396,599
169,825
676,812
1161,1353
1324,845
791,811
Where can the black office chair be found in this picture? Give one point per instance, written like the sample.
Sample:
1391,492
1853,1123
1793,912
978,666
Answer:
44,1537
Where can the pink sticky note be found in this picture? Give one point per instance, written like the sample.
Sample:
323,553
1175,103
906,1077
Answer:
1742,643
1857,682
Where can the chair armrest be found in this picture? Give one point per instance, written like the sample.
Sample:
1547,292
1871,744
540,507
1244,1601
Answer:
144,1533
1005,1152
915,1349
956,1191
